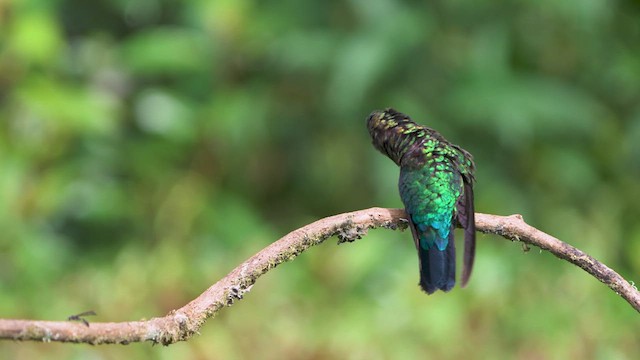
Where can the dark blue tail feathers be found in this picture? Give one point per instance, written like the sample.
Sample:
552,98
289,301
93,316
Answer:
437,267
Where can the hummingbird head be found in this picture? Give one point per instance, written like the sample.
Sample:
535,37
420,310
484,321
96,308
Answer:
384,127
385,119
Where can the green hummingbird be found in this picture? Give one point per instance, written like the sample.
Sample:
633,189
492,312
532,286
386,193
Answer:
436,188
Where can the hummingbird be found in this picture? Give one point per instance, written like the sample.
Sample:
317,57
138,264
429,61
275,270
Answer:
436,188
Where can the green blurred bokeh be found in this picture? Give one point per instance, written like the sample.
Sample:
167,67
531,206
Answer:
147,147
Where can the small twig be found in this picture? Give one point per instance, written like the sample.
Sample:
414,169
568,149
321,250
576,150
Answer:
183,323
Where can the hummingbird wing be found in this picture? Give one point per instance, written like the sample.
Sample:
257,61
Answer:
466,219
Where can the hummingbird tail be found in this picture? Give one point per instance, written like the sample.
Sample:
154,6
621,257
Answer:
438,267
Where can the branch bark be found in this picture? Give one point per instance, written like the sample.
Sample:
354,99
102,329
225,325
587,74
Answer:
183,323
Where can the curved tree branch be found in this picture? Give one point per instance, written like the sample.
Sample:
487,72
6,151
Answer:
183,323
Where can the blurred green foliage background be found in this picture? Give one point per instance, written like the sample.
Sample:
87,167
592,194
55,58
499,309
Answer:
147,147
